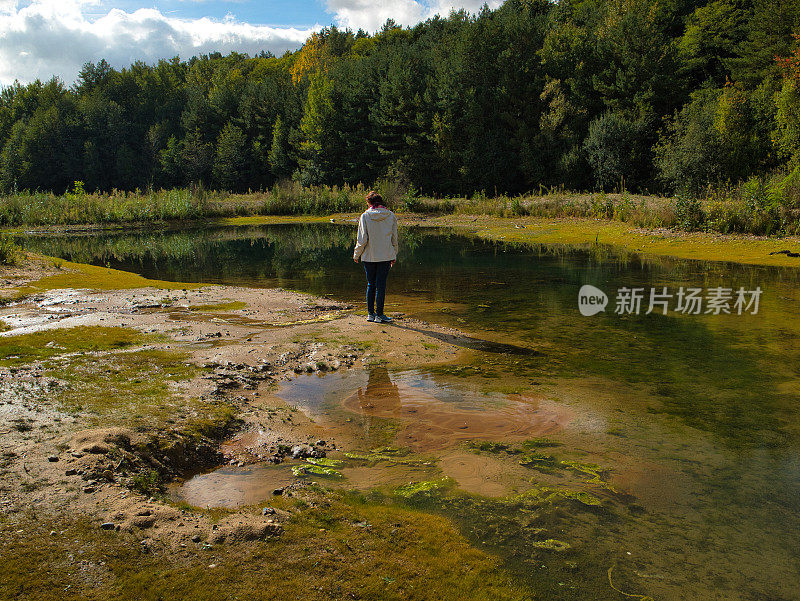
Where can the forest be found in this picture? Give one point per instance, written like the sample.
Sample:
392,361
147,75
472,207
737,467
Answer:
651,96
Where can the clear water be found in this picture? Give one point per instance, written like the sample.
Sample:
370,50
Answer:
695,417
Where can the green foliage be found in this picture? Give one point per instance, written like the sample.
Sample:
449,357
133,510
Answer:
689,213
532,94
148,482
616,152
8,250
231,160
787,123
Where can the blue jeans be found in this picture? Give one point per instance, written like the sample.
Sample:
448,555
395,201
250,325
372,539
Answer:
377,273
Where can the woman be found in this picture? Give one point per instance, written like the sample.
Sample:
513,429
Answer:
377,248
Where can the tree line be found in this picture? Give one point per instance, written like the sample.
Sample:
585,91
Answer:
649,95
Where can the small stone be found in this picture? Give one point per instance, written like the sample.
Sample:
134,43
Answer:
267,511
52,533
107,525
277,491
320,443
196,538
76,454
108,475
71,472
52,458
88,489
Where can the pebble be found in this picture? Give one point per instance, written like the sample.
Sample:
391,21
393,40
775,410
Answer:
267,511
196,538
52,458
88,489
107,525
71,472
277,491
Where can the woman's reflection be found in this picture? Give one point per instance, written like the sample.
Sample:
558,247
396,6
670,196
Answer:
380,397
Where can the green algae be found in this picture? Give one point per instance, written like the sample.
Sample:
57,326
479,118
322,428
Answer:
325,462
315,470
590,469
391,455
540,443
551,544
557,494
424,489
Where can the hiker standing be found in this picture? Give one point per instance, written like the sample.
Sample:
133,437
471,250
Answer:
376,246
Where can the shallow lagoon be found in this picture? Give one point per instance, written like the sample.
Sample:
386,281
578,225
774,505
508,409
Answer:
693,419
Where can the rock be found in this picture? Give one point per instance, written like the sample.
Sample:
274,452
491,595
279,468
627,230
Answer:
88,489
196,538
320,443
267,511
52,458
76,454
300,451
277,491
108,475
71,472
107,525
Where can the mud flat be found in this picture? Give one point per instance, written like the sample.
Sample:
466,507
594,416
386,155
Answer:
111,398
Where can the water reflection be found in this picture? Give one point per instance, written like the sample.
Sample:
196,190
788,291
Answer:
695,415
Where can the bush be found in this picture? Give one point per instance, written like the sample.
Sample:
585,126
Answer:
8,250
689,213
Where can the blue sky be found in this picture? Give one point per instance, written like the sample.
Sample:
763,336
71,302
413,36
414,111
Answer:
44,38
300,13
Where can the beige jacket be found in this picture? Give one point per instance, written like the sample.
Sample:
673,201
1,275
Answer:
377,236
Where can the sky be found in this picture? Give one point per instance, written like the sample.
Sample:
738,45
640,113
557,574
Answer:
42,38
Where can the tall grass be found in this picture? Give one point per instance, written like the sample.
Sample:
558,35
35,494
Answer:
8,250
765,206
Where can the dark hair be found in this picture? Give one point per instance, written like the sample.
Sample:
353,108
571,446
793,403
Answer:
373,198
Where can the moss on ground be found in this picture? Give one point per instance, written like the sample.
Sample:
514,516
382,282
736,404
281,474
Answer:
695,245
26,348
217,307
128,386
105,374
341,549
79,275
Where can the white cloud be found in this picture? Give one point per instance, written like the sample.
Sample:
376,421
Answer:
55,37
42,38
370,15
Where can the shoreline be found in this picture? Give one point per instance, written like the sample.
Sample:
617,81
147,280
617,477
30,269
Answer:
702,246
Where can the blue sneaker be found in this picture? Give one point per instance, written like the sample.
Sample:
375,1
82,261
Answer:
383,319
371,317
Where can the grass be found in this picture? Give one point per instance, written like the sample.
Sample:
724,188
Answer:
323,554
92,277
769,205
9,252
106,375
227,306
124,386
26,348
